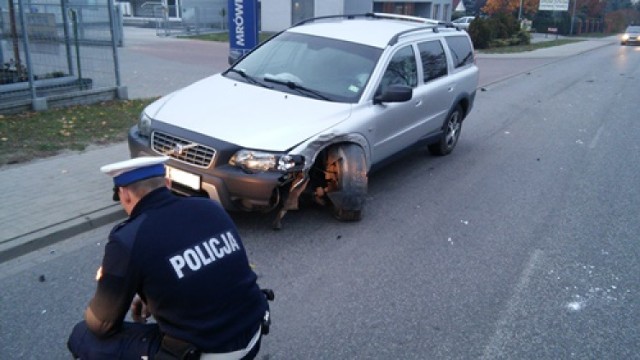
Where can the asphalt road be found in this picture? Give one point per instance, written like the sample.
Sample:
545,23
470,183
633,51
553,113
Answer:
522,244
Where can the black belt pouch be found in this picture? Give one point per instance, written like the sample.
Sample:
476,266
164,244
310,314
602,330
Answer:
172,349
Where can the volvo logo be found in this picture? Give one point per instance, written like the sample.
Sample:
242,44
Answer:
180,149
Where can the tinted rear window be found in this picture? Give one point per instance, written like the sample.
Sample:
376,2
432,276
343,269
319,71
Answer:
460,50
434,62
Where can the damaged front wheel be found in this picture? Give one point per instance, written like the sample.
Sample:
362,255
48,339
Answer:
346,175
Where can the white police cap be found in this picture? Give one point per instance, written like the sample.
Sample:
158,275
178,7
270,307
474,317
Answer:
136,169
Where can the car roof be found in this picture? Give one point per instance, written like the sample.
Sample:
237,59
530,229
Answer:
376,32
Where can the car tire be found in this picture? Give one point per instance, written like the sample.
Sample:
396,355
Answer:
347,180
451,132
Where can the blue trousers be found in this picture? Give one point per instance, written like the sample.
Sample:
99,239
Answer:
133,341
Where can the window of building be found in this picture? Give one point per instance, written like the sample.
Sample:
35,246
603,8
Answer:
394,8
301,10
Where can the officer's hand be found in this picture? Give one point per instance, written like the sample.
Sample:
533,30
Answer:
139,311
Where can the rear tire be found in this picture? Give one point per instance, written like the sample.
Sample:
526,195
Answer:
346,175
450,134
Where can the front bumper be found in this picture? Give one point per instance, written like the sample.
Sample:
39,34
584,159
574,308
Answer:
232,187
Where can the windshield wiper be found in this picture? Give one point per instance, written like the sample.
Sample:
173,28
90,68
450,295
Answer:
295,86
247,77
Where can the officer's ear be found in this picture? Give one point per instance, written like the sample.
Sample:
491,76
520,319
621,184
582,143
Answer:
125,195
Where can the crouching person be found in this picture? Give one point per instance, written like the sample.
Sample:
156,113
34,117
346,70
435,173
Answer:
179,261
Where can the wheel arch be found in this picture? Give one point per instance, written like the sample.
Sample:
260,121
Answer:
315,150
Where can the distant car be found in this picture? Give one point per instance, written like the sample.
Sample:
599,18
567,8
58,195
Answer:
463,22
631,36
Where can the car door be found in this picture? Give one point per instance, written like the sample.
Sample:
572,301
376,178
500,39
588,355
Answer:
437,89
392,123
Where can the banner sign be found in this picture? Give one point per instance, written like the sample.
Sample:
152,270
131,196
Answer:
554,5
243,26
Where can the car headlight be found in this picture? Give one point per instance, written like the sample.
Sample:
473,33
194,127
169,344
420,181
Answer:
144,125
252,160
625,37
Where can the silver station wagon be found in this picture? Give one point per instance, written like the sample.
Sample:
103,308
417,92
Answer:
312,111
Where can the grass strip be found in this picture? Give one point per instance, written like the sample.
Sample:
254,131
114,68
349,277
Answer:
32,135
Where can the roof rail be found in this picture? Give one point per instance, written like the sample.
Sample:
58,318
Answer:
406,18
428,23
434,27
344,16
373,16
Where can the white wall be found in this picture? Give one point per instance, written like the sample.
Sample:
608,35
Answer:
276,14
328,7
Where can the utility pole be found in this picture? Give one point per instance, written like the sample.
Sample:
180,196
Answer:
520,11
573,17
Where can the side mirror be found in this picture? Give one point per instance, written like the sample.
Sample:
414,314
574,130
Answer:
394,93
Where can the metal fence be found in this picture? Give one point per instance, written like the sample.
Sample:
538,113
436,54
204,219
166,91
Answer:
177,20
56,53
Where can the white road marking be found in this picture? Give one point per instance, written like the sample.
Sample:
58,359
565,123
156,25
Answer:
594,141
502,336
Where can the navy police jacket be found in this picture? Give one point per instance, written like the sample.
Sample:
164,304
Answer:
184,257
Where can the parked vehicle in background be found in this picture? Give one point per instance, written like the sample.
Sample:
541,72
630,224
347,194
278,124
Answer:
312,111
631,36
463,22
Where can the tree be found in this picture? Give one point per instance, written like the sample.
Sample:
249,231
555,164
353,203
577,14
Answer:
614,5
529,7
591,8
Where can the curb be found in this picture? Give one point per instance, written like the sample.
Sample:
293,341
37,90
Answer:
37,239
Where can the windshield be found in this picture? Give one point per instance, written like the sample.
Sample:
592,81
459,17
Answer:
633,29
322,68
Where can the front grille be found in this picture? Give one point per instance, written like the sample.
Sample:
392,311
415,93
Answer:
183,150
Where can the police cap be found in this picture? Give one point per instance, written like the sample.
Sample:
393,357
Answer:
136,169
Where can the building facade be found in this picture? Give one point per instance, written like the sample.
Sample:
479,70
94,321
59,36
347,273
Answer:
276,15
280,14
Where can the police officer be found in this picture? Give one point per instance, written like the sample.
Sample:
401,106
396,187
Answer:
178,260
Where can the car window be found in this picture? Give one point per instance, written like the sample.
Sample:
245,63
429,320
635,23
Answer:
461,50
434,61
402,70
311,66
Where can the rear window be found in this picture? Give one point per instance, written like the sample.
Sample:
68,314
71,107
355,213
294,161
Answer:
461,50
434,62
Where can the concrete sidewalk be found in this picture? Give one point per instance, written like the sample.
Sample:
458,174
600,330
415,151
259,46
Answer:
51,199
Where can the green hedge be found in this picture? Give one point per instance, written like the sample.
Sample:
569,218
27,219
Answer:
499,30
